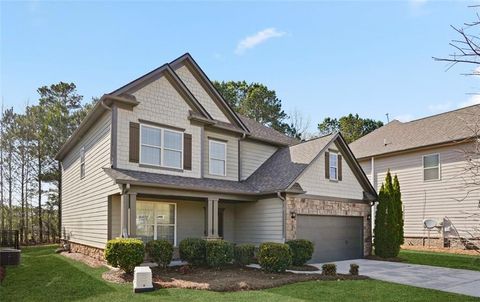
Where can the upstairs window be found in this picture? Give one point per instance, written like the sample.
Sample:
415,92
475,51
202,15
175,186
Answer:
333,160
161,147
217,157
431,167
82,162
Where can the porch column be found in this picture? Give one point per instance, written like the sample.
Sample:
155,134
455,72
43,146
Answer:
124,205
212,218
132,226
128,215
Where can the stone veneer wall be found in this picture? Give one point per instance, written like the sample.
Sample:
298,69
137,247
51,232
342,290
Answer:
90,251
314,206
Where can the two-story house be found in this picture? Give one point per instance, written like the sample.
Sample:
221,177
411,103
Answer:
165,157
436,159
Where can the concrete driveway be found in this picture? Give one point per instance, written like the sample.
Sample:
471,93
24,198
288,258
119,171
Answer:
459,281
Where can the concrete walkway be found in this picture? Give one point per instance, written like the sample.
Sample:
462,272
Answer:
458,281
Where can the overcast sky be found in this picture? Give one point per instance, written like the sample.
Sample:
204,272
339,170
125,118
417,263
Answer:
323,59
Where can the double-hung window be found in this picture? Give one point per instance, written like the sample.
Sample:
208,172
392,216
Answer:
431,167
161,147
217,157
82,162
333,161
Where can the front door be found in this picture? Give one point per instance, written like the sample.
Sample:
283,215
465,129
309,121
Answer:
156,220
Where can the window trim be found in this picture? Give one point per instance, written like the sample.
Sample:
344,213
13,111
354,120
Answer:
331,153
436,167
210,141
161,147
169,224
82,162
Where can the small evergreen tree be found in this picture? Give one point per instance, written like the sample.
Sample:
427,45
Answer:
389,219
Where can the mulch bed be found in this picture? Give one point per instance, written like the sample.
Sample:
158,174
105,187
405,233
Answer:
227,279
92,262
303,268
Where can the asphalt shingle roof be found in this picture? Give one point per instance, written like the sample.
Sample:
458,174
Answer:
396,136
260,131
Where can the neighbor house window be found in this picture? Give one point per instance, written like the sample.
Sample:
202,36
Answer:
82,162
333,160
431,167
161,147
156,220
217,157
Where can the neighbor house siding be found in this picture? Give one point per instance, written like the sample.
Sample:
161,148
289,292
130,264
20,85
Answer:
313,180
200,93
160,103
436,199
85,200
260,221
253,155
232,154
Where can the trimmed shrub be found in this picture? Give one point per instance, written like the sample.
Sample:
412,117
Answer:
329,269
219,253
161,251
274,257
302,251
193,250
244,254
125,253
354,269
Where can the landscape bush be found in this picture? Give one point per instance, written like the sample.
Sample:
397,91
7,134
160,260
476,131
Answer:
244,254
219,253
274,257
161,251
329,269
302,251
193,250
125,253
354,269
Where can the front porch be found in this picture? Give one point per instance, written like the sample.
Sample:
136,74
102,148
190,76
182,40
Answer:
149,214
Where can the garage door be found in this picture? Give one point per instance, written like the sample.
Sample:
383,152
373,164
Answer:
335,237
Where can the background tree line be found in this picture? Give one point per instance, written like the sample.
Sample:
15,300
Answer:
30,181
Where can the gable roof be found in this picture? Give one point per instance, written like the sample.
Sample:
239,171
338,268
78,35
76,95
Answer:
210,88
449,127
278,174
261,132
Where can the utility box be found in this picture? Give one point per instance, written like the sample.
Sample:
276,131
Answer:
9,256
142,279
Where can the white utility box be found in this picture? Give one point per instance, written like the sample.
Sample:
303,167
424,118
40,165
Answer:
142,279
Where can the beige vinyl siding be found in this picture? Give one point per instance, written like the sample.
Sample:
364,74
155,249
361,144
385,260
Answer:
313,180
252,155
232,154
161,103
116,212
260,221
85,201
200,93
432,199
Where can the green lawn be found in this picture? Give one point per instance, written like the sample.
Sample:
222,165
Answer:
45,276
441,259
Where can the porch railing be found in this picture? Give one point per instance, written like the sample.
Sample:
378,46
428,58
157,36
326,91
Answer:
10,238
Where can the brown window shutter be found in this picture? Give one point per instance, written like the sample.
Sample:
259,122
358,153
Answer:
327,165
187,151
339,159
134,148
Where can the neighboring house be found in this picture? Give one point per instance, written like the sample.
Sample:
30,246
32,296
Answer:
165,157
431,157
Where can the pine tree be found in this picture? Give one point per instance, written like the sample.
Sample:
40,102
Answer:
388,219
399,210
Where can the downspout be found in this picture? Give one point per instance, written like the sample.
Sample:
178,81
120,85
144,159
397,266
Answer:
279,194
244,135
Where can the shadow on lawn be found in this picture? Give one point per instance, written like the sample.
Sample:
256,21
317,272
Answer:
43,275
